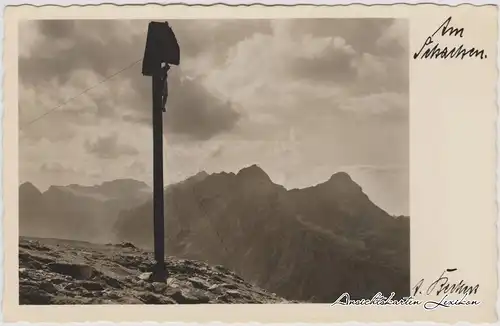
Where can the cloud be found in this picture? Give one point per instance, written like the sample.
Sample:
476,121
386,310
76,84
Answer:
214,37
367,55
192,110
378,104
62,58
237,70
64,46
55,167
108,147
394,41
314,70
362,34
136,166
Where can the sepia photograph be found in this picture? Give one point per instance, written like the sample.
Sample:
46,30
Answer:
196,161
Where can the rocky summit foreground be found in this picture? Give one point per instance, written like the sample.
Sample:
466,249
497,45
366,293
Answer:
53,271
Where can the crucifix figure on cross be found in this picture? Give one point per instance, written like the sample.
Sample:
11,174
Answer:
162,50
164,94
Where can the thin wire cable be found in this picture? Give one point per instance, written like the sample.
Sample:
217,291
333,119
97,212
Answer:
83,92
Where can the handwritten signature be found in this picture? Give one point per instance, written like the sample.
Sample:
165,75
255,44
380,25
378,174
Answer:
442,285
433,50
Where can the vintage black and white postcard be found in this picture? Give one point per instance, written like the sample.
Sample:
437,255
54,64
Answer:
250,163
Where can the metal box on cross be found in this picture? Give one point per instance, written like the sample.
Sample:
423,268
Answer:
161,47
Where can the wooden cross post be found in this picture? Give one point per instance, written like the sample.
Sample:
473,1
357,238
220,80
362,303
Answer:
161,50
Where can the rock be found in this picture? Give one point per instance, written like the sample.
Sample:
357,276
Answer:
199,283
145,276
223,298
129,300
111,294
77,271
91,286
34,245
140,283
185,296
150,298
91,294
73,287
221,268
233,292
84,286
57,280
71,301
33,264
114,283
32,295
173,283
29,282
159,287
216,288
48,287
126,245
229,286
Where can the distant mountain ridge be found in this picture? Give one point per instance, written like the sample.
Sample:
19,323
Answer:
304,244
77,212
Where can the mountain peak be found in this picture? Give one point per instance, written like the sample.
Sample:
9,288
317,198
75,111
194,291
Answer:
342,180
200,176
29,188
253,171
341,177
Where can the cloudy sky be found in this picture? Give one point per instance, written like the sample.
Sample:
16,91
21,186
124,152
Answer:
302,98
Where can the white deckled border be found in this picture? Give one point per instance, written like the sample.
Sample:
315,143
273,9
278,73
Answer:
265,2
242,2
